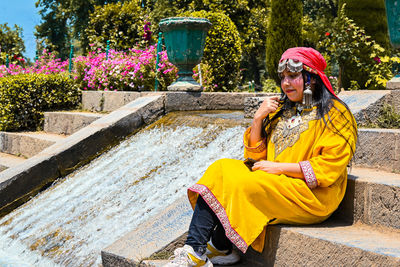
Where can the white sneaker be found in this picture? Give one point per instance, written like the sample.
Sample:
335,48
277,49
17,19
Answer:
221,257
186,257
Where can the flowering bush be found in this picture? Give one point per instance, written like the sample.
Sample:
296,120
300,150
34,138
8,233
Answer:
123,71
46,64
348,45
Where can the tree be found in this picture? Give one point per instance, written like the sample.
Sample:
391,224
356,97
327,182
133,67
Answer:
284,31
11,43
63,21
121,24
371,17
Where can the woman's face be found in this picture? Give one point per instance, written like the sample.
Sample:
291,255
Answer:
292,85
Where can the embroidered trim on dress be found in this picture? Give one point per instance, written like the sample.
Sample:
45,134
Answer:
309,174
219,210
260,148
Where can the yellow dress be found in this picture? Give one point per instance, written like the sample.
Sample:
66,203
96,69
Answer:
246,202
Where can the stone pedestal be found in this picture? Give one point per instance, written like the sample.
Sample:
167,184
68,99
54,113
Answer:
393,84
187,86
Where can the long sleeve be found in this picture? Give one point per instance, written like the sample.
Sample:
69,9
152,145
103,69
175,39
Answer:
257,152
331,152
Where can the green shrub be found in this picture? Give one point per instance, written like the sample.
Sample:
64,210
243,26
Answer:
357,53
121,23
370,16
222,53
24,98
284,31
389,118
269,86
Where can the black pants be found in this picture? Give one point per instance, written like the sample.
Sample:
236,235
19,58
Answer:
205,225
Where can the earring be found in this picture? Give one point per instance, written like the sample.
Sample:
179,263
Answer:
307,94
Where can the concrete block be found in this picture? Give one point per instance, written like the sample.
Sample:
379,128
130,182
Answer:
108,100
378,148
150,237
93,100
327,244
393,84
67,123
8,160
372,197
115,100
185,86
26,144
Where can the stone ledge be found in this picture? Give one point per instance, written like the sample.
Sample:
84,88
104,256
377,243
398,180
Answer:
26,144
372,197
327,244
19,183
365,104
393,84
97,101
186,101
378,148
67,123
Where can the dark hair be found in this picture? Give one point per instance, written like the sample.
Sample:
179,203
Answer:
323,99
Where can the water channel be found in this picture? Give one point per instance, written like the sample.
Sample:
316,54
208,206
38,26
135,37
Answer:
70,223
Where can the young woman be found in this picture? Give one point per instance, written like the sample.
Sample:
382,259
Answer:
300,144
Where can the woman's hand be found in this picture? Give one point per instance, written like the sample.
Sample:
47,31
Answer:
268,166
269,105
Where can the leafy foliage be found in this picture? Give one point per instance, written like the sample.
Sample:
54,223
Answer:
121,23
348,45
389,118
284,31
370,16
11,43
24,98
63,21
222,52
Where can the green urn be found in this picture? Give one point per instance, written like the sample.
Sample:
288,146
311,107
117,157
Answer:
185,41
393,19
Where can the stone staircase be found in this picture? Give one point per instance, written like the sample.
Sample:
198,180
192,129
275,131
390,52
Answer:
16,147
364,231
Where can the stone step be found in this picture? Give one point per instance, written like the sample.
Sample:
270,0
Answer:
378,148
371,203
67,123
8,161
27,144
329,244
372,197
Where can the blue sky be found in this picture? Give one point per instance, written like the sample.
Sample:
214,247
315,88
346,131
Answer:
24,14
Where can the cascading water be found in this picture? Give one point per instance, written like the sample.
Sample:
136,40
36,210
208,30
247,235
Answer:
71,222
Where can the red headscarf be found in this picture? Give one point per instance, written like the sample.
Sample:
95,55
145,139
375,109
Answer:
313,61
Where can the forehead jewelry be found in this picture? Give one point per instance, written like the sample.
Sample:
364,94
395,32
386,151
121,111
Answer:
291,65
